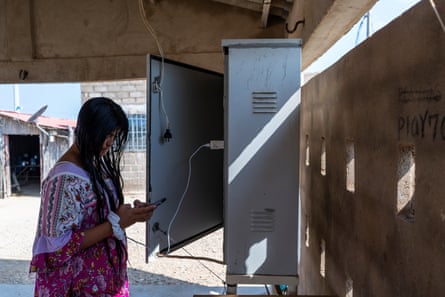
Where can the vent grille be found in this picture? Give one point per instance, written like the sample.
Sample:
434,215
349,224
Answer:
264,102
262,220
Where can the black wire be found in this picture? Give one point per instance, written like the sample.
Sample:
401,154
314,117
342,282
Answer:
199,259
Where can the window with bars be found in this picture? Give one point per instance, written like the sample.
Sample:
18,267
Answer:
137,131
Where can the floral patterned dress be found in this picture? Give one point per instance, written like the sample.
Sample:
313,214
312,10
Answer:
68,207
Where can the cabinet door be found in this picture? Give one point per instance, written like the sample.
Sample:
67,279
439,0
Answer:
192,102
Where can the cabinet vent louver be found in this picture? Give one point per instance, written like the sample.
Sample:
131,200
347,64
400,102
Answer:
262,220
264,102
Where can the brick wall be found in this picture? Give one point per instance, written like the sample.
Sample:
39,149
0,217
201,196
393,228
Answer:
131,95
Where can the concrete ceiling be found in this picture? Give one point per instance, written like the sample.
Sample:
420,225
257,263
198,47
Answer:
83,40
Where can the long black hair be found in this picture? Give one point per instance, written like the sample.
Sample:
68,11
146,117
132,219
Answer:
98,118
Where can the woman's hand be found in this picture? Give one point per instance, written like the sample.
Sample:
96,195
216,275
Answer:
129,215
138,203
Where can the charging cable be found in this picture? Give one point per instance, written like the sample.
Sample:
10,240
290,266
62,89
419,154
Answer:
158,88
183,194
213,145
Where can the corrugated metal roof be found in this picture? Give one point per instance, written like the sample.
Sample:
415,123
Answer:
43,121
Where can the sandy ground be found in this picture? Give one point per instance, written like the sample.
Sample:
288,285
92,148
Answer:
198,263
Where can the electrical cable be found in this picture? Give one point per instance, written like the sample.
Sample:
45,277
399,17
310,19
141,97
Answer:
167,133
366,16
213,145
200,259
183,194
210,270
359,30
267,289
150,30
157,84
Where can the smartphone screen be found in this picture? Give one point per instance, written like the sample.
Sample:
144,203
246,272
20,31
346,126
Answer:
159,202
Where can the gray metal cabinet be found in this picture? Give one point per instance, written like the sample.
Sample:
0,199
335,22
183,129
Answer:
261,161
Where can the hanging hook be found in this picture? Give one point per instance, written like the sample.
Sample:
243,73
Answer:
23,74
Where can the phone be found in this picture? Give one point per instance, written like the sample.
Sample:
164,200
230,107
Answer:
158,202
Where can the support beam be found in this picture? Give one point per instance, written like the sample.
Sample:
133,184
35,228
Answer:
17,37
325,22
100,40
95,40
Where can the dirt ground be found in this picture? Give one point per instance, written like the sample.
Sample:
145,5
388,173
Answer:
197,263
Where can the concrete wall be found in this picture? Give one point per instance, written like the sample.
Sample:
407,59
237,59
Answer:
373,214
131,95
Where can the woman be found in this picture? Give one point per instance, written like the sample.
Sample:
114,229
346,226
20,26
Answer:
80,247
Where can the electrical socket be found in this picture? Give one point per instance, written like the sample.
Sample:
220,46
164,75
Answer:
216,144
156,85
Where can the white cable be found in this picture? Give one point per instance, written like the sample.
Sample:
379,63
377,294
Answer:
433,5
161,101
158,84
150,30
183,194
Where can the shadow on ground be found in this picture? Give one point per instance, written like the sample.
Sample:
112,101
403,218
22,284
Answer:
19,218
16,272
30,189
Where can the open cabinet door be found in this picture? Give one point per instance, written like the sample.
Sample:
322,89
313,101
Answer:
181,169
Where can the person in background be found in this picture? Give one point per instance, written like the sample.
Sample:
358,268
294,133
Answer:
80,248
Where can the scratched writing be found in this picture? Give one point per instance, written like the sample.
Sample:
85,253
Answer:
421,95
422,125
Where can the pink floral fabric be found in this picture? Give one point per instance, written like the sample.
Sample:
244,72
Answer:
68,207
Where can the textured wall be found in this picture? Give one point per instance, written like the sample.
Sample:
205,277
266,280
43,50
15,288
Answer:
372,152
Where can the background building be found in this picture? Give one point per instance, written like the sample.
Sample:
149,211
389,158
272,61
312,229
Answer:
28,149
131,95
